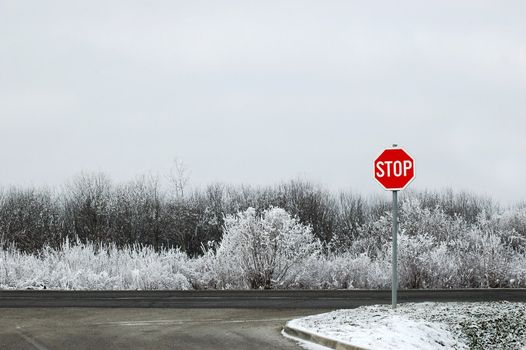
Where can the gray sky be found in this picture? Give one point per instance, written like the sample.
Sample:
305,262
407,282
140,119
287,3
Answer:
257,92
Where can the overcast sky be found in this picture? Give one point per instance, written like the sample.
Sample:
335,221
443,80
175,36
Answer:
256,92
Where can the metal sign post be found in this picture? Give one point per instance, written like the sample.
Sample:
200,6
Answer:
394,283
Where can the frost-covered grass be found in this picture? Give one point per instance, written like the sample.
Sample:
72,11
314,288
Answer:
492,325
90,266
77,265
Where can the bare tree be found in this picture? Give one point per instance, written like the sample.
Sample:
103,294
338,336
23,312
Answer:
87,205
179,177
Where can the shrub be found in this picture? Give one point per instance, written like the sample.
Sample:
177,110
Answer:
259,251
343,270
89,266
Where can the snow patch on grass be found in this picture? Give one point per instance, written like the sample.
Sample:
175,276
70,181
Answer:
492,325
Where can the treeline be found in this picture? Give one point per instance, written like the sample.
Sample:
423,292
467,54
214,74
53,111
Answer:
92,208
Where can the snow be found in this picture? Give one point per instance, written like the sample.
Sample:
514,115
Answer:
496,325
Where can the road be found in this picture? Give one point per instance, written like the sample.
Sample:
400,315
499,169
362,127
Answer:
45,320
123,328
246,298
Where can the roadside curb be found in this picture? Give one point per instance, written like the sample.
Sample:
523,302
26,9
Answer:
318,339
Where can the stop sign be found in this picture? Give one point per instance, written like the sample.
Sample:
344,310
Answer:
394,169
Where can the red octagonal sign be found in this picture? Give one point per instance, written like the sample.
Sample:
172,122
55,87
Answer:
394,169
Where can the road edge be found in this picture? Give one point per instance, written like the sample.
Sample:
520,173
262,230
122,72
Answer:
304,335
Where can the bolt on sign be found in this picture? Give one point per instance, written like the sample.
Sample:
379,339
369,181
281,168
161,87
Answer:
394,169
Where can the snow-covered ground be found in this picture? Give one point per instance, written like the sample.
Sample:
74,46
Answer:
491,325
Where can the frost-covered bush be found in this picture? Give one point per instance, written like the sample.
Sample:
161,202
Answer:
517,271
342,271
202,271
436,250
415,219
90,266
373,236
482,260
442,270
413,260
260,251
512,223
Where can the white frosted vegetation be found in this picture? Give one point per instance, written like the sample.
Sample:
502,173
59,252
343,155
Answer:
262,251
88,266
273,249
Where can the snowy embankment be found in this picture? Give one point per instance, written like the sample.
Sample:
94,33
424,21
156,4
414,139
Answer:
492,325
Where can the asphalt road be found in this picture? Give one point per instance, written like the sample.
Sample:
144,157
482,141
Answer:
123,328
246,299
